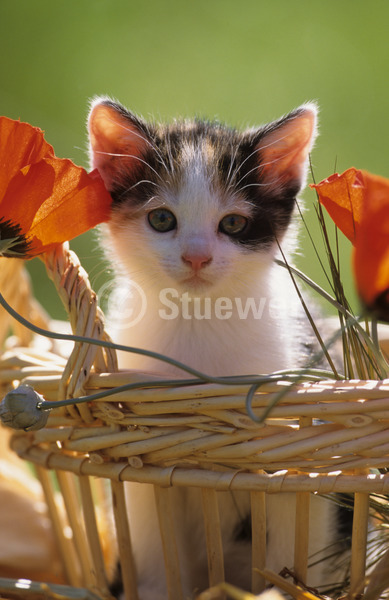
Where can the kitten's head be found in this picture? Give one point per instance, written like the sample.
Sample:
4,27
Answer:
196,204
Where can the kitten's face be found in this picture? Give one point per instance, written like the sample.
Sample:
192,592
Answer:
196,205
187,234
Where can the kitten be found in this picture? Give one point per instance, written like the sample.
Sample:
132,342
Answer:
198,210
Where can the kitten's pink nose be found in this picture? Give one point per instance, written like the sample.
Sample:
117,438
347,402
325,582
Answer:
196,261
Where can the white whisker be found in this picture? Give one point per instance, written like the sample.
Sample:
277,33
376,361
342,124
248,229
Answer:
273,142
265,164
118,154
129,189
151,200
269,184
169,153
257,149
142,208
144,139
229,174
142,181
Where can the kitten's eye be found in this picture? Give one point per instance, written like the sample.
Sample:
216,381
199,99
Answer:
162,220
233,224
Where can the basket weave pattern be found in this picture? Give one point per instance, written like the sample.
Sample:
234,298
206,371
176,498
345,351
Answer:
321,437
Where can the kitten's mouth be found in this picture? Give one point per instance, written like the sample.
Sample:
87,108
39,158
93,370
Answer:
196,282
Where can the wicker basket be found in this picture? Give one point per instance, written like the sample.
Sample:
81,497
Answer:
322,437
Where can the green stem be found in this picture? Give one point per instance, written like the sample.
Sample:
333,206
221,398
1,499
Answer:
351,321
374,332
301,376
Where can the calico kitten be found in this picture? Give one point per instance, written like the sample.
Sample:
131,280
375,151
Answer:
198,211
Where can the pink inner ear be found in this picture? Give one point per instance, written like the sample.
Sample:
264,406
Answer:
111,132
115,141
104,129
284,151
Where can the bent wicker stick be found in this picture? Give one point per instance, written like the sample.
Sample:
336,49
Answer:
222,480
16,287
278,444
86,318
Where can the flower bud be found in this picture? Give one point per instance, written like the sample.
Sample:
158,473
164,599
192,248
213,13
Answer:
20,409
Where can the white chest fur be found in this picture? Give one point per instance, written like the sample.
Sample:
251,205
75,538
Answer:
231,332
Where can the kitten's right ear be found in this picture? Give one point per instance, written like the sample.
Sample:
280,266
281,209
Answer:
117,141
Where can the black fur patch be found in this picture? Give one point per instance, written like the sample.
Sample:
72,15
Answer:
116,586
345,513
243,532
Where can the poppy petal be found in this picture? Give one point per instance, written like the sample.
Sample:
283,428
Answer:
53,201
371,255
358,203
27,191
342,196
79,202
21,144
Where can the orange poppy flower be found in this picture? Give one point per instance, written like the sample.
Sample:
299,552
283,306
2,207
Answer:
44,200
358,203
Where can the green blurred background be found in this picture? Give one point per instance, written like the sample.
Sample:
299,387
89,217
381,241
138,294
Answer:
243,62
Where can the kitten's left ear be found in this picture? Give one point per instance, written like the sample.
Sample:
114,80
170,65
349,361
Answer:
285,145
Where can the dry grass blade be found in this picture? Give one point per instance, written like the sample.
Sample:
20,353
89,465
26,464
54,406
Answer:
358,359
219,592
378,579
296,591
